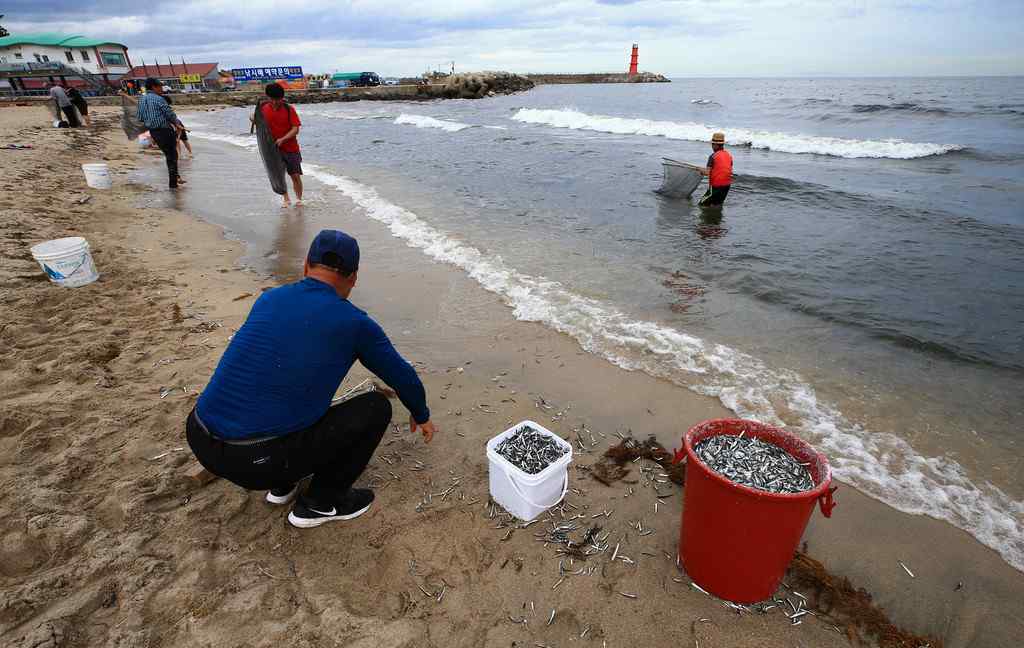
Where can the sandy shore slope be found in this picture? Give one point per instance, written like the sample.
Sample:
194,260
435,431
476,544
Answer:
106,542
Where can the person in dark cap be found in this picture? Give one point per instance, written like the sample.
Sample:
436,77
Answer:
164,126
266,421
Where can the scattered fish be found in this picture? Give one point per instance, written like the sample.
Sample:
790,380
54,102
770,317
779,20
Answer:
906,569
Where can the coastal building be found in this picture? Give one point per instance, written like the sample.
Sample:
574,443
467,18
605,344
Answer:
28,62
179,76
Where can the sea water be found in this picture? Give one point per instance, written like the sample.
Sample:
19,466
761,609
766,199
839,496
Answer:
863,284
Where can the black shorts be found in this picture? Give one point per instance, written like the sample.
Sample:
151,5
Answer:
714,196
292,162
183,135
83,107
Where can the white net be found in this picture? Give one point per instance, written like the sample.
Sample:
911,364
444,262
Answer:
680,179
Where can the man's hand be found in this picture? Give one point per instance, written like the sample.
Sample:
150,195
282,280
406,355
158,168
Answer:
427,429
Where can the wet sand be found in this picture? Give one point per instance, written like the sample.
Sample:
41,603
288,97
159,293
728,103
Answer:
104,543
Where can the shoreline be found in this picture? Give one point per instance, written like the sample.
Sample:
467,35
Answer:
888,420
203,581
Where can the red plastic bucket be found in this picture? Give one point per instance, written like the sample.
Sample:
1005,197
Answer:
736,542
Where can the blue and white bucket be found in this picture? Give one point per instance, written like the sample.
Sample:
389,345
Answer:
66,261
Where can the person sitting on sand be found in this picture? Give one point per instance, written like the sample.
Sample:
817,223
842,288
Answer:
719,172
265,421
284,126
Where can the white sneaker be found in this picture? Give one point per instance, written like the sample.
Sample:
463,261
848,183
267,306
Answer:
279,496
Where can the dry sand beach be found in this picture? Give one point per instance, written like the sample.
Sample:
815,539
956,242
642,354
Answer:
105,540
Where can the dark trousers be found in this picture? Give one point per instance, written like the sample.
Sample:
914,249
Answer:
167,140
71,116
335,450
714,196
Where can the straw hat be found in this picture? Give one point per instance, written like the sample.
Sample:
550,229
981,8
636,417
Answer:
718,138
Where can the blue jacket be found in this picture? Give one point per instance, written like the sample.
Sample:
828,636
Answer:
282,368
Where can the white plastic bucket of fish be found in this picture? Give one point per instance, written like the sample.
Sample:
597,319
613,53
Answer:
529,469
66,261
97,175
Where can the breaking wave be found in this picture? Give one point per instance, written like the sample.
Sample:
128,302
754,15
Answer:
880,464
330,114
422,121
692,131
245,141
900,107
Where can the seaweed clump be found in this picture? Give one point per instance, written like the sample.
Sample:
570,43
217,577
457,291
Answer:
850,607
613,466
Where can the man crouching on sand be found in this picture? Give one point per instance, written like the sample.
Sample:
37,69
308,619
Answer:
265,421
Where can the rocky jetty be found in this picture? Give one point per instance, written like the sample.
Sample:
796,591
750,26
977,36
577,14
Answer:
476,85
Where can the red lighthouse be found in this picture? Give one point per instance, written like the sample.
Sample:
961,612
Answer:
633,60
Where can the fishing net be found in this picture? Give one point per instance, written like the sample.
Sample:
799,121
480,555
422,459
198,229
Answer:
680,180
272,160
129,121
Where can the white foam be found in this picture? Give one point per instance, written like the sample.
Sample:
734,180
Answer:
422,121
879,464
244,141
346,115
692,131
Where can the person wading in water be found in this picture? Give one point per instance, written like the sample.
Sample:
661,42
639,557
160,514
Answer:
154,111
719,172
266,421
284,125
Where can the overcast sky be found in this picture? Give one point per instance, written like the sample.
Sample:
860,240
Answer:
677,38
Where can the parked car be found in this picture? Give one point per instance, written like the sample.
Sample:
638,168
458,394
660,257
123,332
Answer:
390,81
366,79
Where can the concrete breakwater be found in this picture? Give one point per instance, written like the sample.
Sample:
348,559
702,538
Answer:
475,85
606,77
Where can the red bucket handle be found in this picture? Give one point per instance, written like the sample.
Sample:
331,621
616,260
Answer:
826,502
679,455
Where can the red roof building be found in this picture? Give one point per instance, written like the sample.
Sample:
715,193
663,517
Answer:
171,73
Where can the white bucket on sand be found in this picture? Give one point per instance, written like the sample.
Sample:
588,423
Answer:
97,175
66,261
524,495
